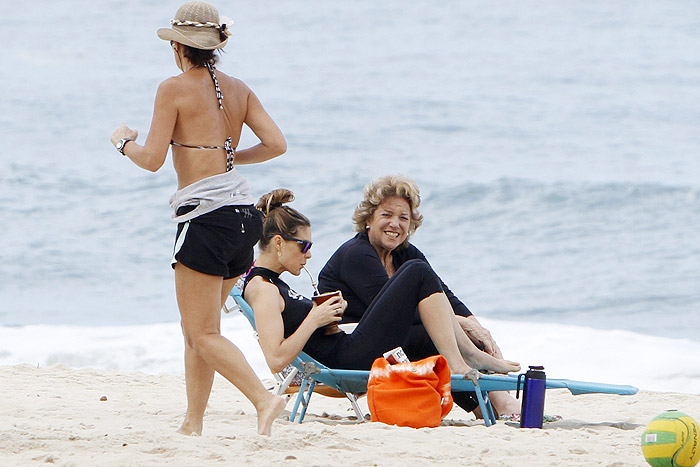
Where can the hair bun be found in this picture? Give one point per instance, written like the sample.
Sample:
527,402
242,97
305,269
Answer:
273,200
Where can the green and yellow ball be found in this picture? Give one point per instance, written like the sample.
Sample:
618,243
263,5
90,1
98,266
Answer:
671,440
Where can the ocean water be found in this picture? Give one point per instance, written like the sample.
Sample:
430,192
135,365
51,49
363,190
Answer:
555,147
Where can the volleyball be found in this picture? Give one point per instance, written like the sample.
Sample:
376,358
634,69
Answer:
671,440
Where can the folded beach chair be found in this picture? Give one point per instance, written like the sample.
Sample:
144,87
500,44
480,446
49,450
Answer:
354,382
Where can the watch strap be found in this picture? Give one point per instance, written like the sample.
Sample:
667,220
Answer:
120,145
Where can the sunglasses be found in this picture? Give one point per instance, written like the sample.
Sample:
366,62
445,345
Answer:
304,245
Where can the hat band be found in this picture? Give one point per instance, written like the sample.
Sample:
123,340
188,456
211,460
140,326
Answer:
196,24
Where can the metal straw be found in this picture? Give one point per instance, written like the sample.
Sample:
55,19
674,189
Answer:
314,284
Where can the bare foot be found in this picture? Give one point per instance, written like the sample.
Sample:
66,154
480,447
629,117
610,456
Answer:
460,368
269,412
483,361
503,403
190,429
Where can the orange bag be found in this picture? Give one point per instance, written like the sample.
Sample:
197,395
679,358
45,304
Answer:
415,394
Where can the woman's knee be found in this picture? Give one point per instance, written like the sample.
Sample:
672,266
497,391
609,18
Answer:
415,266
198,339
416,269
420,273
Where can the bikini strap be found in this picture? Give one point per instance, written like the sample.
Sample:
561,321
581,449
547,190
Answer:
230,150
230,154
219,96
174,143
228,147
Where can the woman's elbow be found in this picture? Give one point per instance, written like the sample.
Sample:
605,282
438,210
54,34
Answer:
280,147
153,164
276,365
276,369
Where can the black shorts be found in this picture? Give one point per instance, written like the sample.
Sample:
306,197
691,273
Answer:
219,243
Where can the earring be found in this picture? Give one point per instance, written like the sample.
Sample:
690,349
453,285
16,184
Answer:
279,253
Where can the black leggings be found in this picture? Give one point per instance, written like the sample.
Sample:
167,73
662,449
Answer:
388,323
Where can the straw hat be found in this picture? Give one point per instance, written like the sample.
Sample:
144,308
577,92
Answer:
197,25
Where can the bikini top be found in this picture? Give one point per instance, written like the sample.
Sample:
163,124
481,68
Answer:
230,150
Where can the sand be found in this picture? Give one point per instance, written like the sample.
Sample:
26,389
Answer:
84,417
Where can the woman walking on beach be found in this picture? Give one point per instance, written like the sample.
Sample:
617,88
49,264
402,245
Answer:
201,113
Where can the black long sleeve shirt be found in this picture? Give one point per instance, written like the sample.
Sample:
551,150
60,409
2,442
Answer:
356,270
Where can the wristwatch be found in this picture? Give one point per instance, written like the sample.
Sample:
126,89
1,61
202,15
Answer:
121,143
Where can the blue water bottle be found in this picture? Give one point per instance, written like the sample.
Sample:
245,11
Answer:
532,408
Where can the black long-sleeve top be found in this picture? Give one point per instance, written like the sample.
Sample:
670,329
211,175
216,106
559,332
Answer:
356,270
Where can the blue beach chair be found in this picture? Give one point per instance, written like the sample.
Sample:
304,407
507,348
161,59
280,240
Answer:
342,383
353,383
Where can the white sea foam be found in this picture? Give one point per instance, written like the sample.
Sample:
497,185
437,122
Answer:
150,348
606,356
570,352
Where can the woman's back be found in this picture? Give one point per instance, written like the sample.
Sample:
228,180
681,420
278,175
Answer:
200,121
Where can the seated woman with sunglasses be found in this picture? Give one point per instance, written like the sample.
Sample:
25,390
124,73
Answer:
288,322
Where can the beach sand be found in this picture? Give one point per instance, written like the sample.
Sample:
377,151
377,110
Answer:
55,416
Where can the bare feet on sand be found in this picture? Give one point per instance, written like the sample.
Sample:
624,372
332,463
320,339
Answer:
268,412
190,429
504,403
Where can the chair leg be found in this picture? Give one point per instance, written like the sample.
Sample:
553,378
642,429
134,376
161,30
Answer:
300,398
305,400
284,382
485,406
489,408
353,401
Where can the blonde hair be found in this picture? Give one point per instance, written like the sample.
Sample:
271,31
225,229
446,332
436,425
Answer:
279,219
382,188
